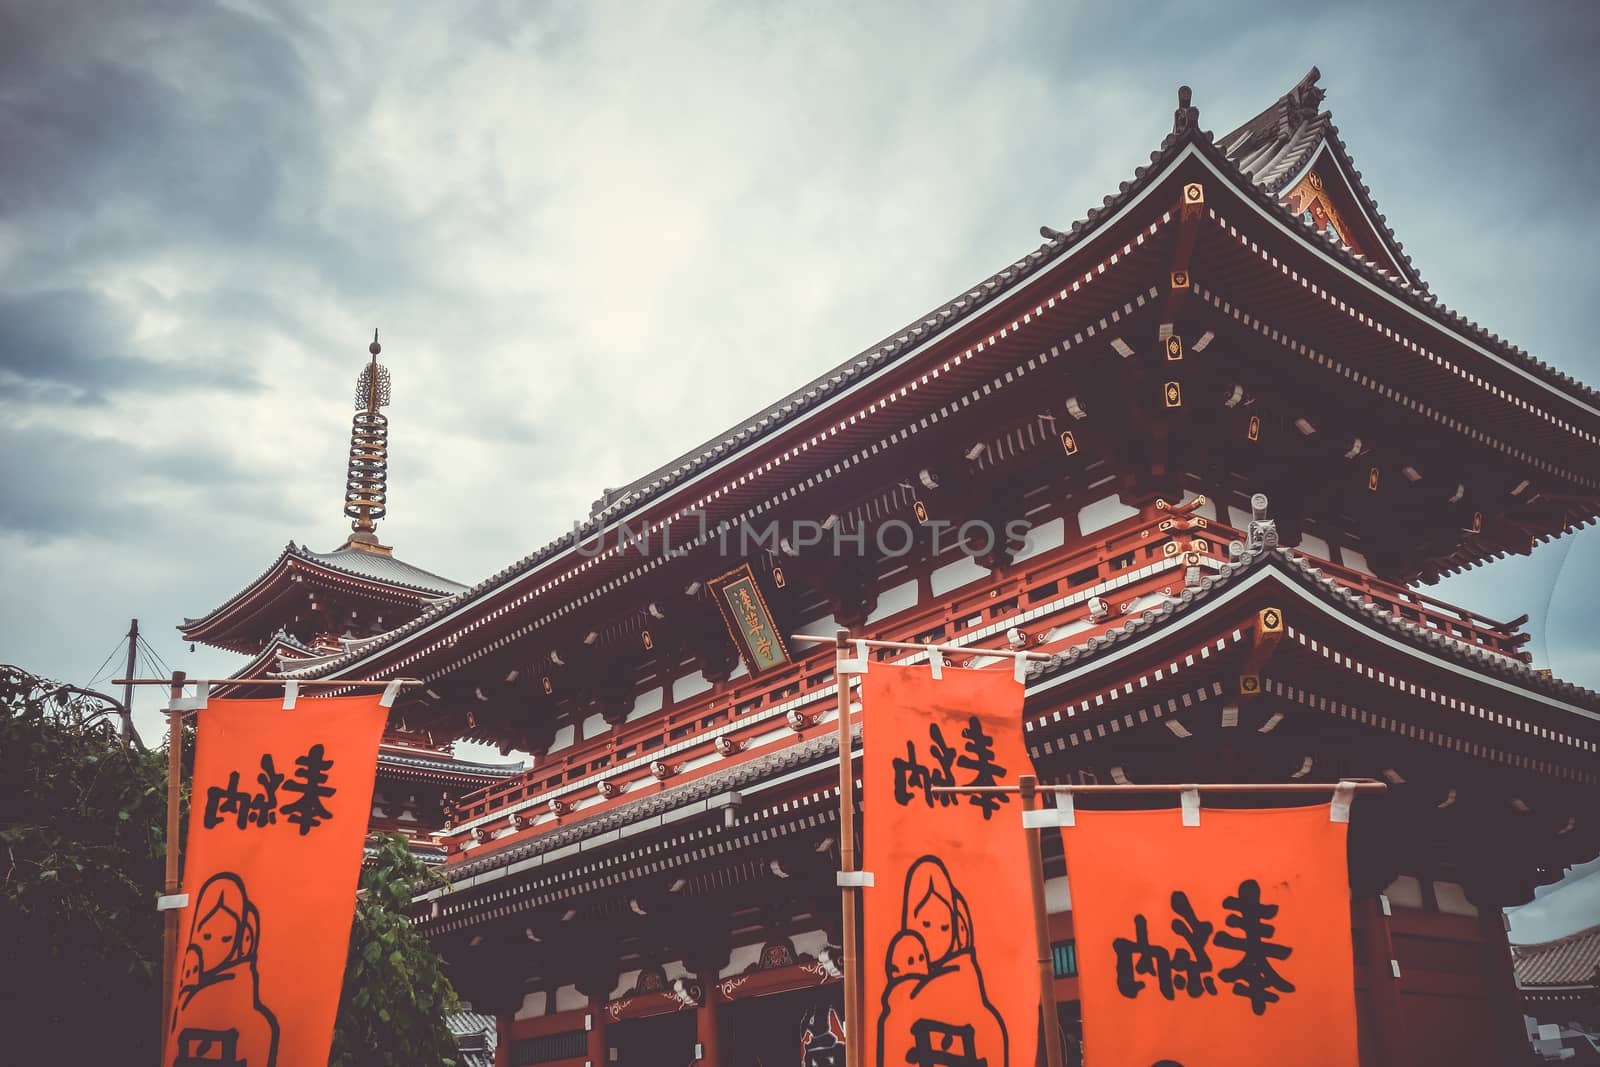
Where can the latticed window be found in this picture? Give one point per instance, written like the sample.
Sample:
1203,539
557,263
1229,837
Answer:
544,1049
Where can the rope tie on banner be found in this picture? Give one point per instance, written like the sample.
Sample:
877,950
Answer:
936,663
1019,669
859,664
1190,801
291,693
391,693
1339,810
198,702
1063,814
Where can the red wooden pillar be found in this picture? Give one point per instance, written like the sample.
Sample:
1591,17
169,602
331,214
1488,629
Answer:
1384,1022
598,1053
708,1026
502,1040
1505,999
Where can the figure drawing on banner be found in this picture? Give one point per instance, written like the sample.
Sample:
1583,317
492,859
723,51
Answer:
219,982
932,959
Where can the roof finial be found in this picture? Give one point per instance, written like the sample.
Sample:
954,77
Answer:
367,476
1187,117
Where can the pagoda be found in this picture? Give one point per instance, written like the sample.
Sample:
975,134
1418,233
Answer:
310,607
1241,435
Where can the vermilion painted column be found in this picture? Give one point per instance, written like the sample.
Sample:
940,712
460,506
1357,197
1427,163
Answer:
1385,1020
502,1041
1510,1032
599,1055
708,1027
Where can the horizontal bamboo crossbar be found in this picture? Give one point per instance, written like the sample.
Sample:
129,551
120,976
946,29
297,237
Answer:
1360,785
404,682
911,646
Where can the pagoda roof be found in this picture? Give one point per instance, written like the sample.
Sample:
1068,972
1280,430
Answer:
235,622
1566,961
1283,125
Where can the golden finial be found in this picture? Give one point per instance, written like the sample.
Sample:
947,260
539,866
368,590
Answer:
366,478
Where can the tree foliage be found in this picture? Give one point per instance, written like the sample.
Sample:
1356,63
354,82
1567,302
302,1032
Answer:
395,996
81,860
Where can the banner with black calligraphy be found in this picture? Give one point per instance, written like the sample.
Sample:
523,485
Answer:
277,818
951,978
1222,942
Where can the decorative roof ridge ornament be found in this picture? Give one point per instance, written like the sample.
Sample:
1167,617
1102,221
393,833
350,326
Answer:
1187,118
1303,103
367,476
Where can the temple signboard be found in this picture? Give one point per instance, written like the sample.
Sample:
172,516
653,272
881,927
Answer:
749,620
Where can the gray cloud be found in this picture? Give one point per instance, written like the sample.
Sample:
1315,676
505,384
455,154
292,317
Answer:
74,345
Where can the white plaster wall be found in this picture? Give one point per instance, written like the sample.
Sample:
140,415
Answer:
1102,513
1042,538
963,571
646,703
892,601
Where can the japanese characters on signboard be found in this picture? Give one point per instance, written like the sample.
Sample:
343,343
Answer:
749,620
281,802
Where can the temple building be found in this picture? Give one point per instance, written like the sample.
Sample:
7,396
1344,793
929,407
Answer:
1560,985
1206,447
310,607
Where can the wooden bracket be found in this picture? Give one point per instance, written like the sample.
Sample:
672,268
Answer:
1269,632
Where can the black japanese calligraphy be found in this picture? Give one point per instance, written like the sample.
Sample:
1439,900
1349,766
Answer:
261,808
980,761
954,1045
1253,976
1190,965
911,774
310,777
1188,968
913,777
248,809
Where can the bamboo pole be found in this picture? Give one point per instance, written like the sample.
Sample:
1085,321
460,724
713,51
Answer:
911,646
1359,785
1027,786
849,894
171,917
302,682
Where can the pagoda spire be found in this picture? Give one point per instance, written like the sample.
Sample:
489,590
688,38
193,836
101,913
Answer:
366,478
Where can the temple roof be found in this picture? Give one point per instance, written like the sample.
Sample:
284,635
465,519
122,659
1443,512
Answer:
1567,961
424,764
235,623
1261,156
1304,574
1277,146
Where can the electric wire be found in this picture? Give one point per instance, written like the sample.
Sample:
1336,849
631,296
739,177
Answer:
119,646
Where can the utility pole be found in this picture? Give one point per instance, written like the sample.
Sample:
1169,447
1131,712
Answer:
127,690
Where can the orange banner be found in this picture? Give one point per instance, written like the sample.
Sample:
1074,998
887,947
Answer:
951,978
279,812
1222,944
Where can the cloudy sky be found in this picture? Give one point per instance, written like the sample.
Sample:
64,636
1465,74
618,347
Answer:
595,234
